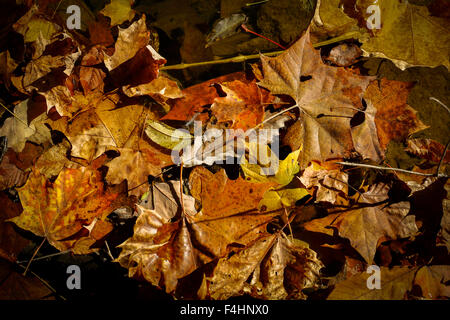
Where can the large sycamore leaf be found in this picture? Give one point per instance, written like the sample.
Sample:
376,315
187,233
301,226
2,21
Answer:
395,284
61,209
328,98
167,245
274,267
372,220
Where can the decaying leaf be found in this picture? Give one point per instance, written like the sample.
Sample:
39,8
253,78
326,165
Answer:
135,166
394,118
395,284
18,131
327,97
119,11
59,210
129,42
375,218
330,184
274,267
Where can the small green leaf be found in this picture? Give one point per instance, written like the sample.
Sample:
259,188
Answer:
166,136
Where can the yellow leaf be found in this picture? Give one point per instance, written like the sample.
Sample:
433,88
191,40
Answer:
119,11
286,171
277,199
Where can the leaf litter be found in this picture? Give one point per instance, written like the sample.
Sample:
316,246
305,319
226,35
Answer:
91,119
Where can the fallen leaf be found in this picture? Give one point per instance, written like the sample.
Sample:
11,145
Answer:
129,42
166,136
394,118
332,185
219,195
135,166
243,104
10,175
395,284
327,97
15,286
428,149
196,97
432,280
409,36
284,198
119,11
11,242
272,268
17,130
374,219
59,210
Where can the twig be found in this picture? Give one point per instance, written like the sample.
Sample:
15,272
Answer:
244,27
391,169
15,116
256,3
47,256
181,190
108,250
44,282
442,159
32,257
443,105
241,58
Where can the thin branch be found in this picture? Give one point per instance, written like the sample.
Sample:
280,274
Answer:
242,58
15,116
443,105
181,190
45,283
246,29
391,169
32,257
46,256
442,159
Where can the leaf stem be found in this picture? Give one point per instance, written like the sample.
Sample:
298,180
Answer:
390,169
32,257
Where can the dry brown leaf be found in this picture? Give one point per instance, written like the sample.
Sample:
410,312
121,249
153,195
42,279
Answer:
16,286
428,149
374,219
272,268
129,42
395,284
10,175
395,119
433,281
332,185
135,166
243,106
61,209
11,242
328,98
195,98
219,195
